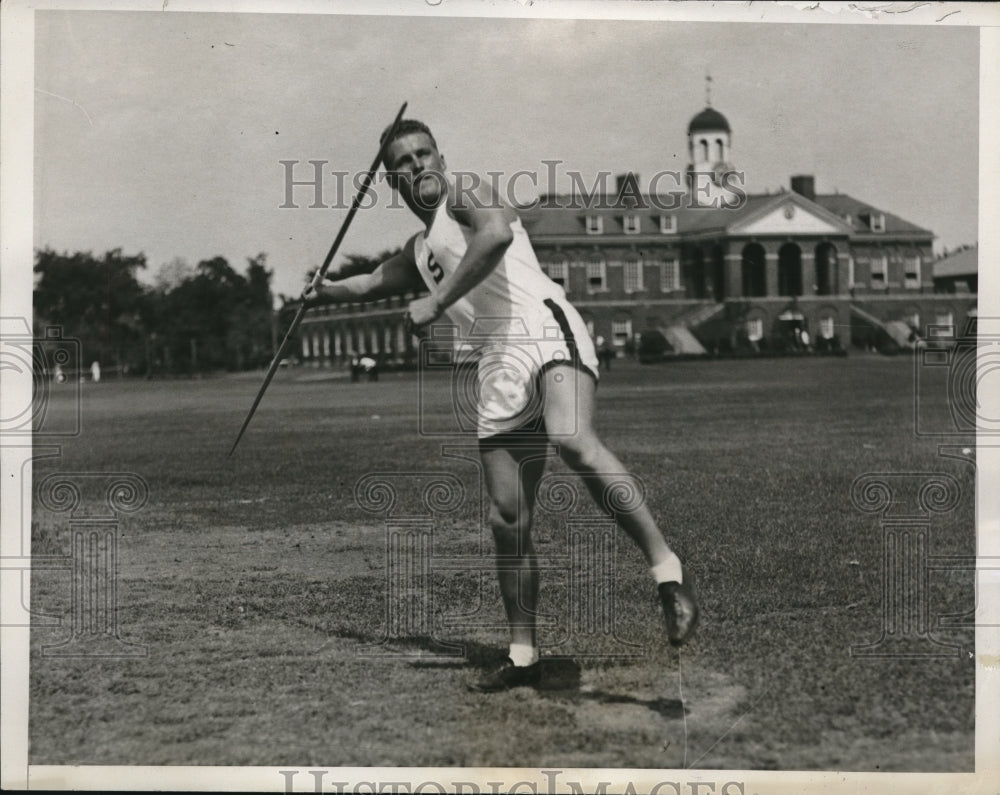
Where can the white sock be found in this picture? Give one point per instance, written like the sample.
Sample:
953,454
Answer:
668,570
521,654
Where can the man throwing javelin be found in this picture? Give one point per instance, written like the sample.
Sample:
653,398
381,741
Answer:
476,261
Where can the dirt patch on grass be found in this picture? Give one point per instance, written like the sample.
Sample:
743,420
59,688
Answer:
329,550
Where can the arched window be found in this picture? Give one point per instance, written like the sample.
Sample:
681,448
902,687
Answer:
718,273
720,149
698,278
704,150
754,271
790,270
826,269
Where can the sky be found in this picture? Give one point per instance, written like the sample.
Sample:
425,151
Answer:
163,133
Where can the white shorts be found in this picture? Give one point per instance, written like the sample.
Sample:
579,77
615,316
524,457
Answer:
507,391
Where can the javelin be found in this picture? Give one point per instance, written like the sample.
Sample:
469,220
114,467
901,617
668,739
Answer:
321,272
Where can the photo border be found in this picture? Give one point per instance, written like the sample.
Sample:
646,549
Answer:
16,238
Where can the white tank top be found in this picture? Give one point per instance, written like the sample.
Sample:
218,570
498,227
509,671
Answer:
507,304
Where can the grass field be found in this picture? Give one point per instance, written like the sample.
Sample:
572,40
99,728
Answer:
257,583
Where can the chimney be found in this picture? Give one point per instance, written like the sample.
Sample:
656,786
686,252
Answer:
805,185
627,189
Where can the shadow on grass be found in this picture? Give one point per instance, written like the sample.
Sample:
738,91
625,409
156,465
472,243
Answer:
670,708
561,682
561,678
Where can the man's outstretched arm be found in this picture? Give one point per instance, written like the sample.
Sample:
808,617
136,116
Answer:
398,274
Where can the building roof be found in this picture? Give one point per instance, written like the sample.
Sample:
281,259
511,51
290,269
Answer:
557,216
843,205
961,263
708,119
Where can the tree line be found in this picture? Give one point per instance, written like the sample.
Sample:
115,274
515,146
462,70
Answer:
192,319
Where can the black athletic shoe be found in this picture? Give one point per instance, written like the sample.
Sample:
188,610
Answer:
679,608
507,675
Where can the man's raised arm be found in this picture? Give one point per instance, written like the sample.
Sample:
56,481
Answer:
482,211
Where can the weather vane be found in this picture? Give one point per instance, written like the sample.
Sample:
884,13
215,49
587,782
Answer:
708,89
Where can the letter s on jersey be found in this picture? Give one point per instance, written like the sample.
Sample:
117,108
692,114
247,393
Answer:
437,273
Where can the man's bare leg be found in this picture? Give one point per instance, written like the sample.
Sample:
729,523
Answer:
513,471
569,420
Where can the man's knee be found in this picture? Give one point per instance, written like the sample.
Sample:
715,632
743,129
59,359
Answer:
505,514
510,525
581,452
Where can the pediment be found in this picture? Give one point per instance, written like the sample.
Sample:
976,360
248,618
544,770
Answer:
791,215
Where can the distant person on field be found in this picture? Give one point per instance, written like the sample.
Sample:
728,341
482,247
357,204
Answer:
370,367
605,353
475,258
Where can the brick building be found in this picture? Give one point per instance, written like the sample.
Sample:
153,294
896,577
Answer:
958,271
709,267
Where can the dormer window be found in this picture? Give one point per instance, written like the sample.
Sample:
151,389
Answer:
877,222
668,224
631,224
595,224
